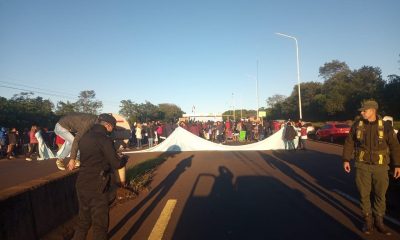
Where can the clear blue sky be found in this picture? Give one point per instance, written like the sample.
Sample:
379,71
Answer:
202,53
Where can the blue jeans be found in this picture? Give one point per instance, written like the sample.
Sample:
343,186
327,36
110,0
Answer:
291,144
65,150
150,142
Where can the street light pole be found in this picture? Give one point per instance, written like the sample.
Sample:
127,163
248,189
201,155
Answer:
258,102
298,69
233,106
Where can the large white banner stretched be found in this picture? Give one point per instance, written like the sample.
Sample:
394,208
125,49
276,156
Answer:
182,140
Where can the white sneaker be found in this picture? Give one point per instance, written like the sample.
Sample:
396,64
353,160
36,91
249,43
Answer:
28,159
60,164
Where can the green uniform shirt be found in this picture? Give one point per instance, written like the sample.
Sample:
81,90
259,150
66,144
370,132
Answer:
370,143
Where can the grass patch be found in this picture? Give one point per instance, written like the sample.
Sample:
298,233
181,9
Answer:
140,176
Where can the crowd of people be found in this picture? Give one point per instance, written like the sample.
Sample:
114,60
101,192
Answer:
151,133
249,131
154,132
89,138
291,130
14,143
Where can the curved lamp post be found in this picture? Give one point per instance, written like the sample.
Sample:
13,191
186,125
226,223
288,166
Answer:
298,69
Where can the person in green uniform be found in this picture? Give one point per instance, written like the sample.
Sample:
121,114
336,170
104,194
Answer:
375,145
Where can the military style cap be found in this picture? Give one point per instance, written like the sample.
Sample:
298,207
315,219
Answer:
368,104
108,118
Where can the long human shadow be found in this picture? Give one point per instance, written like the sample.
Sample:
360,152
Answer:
160,190
254,207
278,161
327,169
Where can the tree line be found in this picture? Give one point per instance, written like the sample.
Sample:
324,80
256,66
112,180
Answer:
340,94
336,98
24,109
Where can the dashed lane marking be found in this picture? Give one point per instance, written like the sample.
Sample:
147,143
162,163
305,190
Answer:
390,219
159,228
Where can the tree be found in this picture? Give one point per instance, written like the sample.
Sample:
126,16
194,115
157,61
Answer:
391,97
87,104
331,68
170,112
22,110
148,112
130,110
366,83
310,109
277,98
63,108
339,96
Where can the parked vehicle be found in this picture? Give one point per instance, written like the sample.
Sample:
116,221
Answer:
310,128
333,131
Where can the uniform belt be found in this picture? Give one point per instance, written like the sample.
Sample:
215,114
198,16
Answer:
370,163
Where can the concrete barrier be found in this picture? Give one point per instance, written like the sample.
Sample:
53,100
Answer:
32,209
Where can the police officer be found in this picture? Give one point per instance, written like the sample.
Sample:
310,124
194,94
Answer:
374,144
95,184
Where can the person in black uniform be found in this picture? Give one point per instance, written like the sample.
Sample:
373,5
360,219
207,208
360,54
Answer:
96,185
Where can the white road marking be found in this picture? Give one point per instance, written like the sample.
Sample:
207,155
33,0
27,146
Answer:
390,219
162,222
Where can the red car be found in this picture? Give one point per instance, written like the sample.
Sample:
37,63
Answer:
333,131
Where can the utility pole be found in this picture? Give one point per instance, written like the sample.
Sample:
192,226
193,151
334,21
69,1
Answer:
258,104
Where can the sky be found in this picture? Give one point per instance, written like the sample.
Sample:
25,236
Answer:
210,54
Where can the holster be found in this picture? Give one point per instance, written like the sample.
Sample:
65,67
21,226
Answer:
105,181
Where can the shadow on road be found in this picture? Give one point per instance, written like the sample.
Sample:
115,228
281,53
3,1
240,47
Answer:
327,171
254,207
158,192
327,176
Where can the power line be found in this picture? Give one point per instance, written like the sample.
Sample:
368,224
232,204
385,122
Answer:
24,85
50,94
53,92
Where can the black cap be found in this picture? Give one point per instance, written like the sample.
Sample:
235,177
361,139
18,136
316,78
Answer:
108,118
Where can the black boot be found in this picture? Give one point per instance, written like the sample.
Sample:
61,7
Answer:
368,224
380,226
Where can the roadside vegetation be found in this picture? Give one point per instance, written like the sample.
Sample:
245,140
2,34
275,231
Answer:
140,176
337,98
339,95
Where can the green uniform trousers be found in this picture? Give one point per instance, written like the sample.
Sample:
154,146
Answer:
375,179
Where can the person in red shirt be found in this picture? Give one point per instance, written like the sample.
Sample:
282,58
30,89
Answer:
303,137
33,143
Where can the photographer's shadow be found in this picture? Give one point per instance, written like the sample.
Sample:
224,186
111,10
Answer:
158,192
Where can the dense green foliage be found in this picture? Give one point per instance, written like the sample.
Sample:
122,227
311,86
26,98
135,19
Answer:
144,112
336,98
340,95
22,110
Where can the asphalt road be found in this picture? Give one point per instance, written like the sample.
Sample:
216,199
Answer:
247,195
240,195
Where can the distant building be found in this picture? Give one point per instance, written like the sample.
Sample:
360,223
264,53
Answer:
202,117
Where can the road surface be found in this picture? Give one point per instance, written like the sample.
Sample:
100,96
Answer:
239,195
